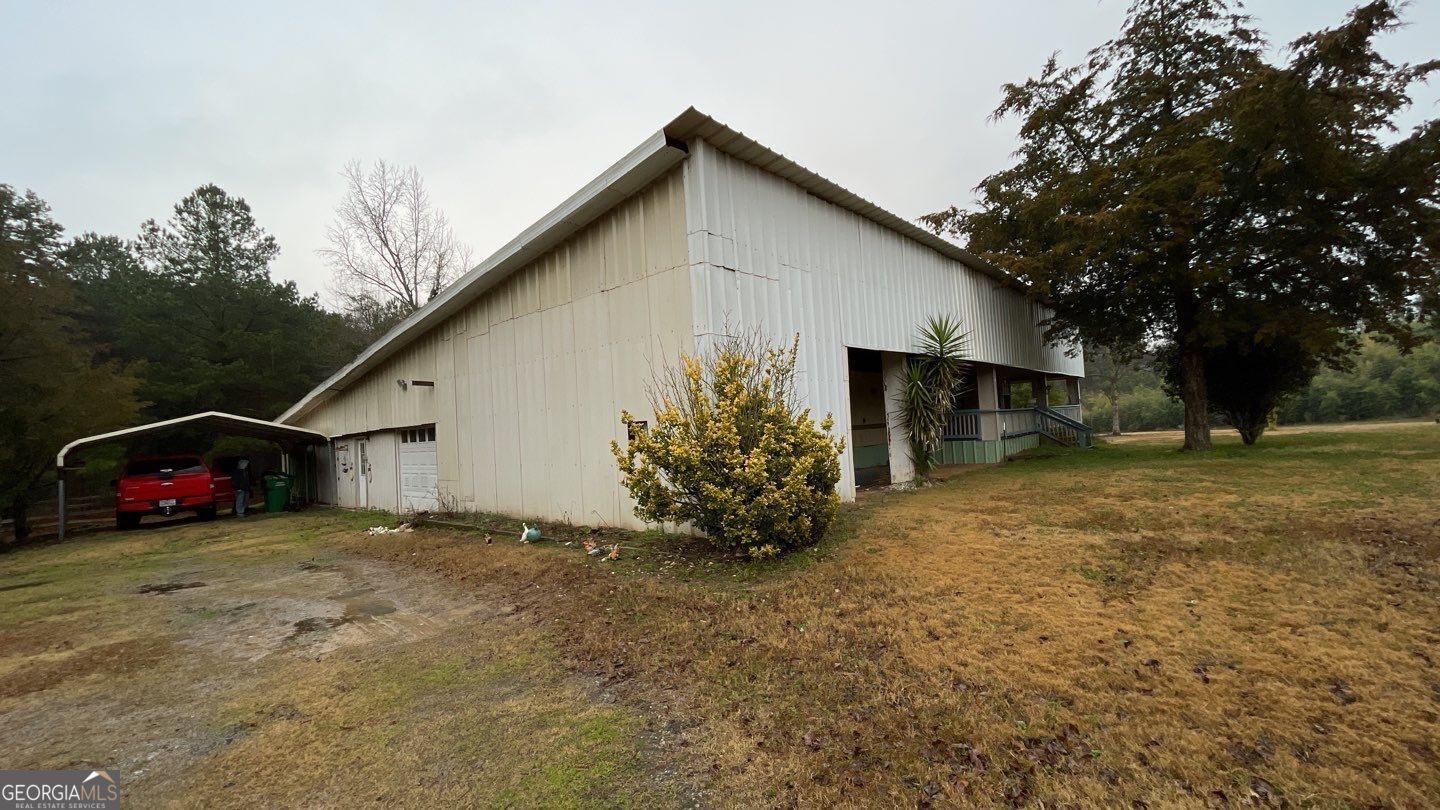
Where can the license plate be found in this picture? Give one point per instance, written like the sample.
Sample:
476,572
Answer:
167,502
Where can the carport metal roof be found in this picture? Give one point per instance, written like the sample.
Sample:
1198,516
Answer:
209,420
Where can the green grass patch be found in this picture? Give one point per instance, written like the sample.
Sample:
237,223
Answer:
490,718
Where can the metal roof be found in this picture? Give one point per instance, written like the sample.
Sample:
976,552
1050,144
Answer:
694,124
652,158
209,420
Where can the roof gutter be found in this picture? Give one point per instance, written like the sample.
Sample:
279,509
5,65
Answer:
657,155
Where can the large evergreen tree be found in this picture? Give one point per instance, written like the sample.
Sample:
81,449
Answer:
1177,187
54,387
109,287
197,304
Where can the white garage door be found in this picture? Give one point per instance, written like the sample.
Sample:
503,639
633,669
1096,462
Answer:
419,472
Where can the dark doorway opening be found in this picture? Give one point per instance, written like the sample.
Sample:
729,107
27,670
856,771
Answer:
869,437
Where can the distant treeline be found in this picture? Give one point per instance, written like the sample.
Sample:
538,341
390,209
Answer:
1380,383
99,331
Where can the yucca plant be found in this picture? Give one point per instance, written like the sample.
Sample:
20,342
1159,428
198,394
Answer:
935,377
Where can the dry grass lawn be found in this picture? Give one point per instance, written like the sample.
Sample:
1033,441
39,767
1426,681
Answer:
1128,626
1124,625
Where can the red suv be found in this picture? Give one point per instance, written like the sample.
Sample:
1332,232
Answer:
164,485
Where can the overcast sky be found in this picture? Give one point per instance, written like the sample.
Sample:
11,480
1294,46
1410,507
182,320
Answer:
114,111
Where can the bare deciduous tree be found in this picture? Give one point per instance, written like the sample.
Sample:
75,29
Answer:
1108,365
388,242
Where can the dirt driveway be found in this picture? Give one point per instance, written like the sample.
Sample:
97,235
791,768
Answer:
191,656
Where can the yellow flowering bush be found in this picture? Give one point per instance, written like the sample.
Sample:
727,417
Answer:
732,453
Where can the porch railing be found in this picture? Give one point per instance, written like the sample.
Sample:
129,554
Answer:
1068,411
1055,422
1063,429
1013,422
963,425
1018,422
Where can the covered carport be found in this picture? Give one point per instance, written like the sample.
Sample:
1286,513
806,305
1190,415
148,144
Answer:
294,442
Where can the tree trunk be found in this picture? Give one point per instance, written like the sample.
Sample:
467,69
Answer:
1250,425
20,513
1195,397
1112,388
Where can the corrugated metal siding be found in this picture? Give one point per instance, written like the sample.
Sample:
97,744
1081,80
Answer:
532,375
377,402
767,254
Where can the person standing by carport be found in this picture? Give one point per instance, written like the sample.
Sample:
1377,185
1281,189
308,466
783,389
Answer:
240,479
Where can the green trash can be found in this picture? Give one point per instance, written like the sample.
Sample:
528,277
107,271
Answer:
277,491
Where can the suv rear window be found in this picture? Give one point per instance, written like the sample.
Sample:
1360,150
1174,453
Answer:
153,466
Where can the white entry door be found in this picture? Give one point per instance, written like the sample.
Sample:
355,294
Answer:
362,473
419,470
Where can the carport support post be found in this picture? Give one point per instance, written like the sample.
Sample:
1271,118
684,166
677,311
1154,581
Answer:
60,508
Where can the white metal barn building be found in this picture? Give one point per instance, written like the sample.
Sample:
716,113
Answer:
504,392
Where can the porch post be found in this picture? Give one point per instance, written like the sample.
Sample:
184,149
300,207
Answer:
892,369
987,389
1040,391
1072,390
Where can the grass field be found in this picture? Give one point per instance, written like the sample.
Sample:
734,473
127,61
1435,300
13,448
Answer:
1125,625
